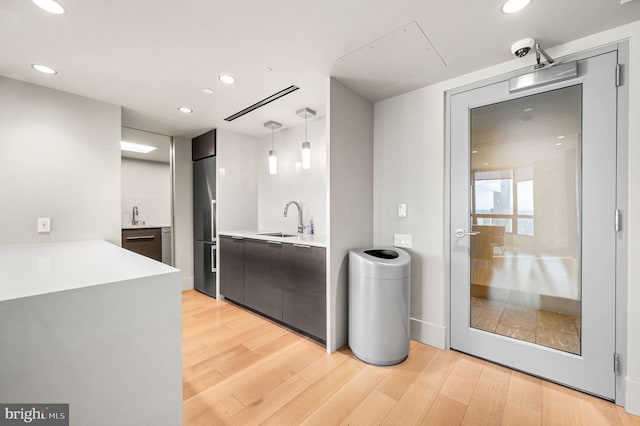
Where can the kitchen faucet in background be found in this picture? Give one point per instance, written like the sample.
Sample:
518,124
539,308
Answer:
135,216
300,225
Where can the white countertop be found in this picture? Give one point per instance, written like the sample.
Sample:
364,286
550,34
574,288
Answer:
145,226
34,269
304,239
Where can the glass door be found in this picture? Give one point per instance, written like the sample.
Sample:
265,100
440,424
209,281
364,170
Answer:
533,244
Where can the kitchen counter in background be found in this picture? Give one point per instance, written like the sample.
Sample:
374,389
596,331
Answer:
146,226
312,240
90,324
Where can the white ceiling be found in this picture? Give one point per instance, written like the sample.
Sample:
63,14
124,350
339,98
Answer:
152,56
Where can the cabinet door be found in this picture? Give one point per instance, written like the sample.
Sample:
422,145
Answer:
263,277
232,268
304,298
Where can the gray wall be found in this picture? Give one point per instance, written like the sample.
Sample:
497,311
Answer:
60,159
350,197
237,184
409,169
183,211
309,187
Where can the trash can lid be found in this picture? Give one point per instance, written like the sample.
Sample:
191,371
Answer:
380,263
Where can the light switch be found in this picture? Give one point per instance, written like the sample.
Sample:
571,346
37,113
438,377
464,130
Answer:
402,240
402,210
44,225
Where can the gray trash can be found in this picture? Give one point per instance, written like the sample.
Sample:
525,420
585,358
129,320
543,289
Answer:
379,287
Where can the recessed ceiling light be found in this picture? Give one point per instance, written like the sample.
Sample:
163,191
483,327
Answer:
43,68
135,147
208,91
559,143
186,110
474,152
227,79
50,6
513,6
527,109
560,137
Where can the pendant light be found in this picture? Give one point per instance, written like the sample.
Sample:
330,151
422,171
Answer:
273,159
306,145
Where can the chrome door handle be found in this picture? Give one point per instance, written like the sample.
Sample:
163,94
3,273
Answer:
460,233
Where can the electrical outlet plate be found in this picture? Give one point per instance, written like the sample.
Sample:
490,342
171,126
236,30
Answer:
402,210
402,240
44,225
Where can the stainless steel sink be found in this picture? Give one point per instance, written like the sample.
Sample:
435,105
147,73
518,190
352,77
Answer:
277,234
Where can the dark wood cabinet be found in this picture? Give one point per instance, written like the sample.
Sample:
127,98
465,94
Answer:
286,282
232,268
304,300
203,146
147,242
263,277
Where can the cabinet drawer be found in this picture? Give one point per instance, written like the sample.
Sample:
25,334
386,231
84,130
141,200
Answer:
147,242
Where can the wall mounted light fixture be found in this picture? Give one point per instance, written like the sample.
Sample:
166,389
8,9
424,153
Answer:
306,145
273,159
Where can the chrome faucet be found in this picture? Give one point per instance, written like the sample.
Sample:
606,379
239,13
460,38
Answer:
300,225
135,216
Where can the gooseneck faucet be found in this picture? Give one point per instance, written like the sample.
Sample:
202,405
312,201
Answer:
135,216
300,225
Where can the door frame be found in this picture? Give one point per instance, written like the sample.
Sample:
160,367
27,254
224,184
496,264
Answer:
622,126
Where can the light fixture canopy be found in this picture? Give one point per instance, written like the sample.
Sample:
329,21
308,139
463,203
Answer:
306,145
513,6
44,69
273,158
208,91
50,6
135,147
184,109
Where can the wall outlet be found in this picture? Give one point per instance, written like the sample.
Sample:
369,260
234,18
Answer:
402,210
402,240
44,225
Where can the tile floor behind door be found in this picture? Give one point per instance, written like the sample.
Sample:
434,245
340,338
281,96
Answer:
554,330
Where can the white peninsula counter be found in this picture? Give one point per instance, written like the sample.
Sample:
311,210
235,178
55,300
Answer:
93,325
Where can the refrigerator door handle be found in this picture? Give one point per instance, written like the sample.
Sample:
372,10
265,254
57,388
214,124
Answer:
213,220
214,267
213,258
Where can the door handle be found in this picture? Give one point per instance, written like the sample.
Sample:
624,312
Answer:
213,259
213,220
460,233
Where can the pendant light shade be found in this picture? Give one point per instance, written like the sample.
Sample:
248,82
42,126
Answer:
273,163
306,145
306,155
273,159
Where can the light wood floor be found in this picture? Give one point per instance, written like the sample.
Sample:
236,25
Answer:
240,369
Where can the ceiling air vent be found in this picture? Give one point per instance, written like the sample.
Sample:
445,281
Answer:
262,103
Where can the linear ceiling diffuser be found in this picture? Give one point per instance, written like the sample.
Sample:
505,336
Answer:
262,103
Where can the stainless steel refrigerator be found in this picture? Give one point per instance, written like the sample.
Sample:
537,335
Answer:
204,225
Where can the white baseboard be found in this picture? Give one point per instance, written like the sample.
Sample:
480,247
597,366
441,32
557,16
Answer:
427,333
187,283
632,397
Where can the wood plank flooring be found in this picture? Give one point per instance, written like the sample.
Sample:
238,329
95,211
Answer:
239,369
